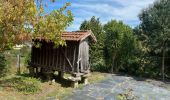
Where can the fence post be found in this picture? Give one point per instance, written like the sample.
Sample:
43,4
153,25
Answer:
18,64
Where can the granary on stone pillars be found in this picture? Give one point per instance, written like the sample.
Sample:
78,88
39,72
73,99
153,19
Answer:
72,58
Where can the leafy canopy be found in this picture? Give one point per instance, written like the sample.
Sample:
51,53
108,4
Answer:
121,45
20,19
155,25
156,29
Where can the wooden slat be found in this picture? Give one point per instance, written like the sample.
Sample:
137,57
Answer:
46,53
43,60
59,58
74,58
35,56
65,55
57,61
32,55
49,54
54,57
40,55
66,58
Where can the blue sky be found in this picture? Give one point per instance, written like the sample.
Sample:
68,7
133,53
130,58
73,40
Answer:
125,10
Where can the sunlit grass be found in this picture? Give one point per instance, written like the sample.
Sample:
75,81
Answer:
59,89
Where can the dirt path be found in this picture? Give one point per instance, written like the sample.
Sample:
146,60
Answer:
118,87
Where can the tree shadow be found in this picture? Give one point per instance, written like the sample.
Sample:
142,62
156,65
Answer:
156,82
62,81
137,78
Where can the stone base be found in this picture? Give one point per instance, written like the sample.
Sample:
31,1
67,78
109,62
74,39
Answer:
61,75
85,80
74,84
74,81
52,82
31,71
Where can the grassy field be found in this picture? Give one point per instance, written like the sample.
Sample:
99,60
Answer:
24,87
9,89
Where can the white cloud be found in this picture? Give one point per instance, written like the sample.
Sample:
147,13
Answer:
125,10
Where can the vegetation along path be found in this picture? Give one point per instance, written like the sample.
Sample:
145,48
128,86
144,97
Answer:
117,87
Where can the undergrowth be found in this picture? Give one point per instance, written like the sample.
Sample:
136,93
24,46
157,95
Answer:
23,84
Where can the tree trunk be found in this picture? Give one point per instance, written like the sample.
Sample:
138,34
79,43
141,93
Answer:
113,63
163,64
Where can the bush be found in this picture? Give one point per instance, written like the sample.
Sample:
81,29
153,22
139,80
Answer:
28,85
3,65
99,66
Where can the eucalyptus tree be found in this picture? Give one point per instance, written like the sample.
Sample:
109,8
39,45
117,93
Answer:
120,46
155,23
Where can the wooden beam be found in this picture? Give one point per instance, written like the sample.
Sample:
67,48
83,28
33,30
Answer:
74,58
65,53
67,59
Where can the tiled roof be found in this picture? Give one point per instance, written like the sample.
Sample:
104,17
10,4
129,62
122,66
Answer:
78,36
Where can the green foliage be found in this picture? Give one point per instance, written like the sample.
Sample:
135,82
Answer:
155,25
53,24
97,62
32,23
121,47
3,65
154,32
10,24
22,84
27,59
127,95
28,85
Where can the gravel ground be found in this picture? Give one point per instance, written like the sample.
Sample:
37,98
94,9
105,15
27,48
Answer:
116,87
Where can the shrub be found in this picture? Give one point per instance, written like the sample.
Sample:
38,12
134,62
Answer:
28,85
99,66
27,59
3,65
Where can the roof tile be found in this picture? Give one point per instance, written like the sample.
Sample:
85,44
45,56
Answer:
78,35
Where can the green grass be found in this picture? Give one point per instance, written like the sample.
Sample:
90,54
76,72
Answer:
22,87
15,87
23,84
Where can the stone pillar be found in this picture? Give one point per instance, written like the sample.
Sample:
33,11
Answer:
74,84
85,80
61,74
74,81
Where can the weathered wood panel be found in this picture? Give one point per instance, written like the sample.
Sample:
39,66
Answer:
84,55
62,58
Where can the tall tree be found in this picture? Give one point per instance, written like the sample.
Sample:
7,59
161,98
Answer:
19,17
97,49
155,23
120,45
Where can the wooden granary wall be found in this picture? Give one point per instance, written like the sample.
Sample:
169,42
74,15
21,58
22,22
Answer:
72,58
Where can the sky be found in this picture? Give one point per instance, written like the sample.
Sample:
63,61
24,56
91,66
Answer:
124,10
